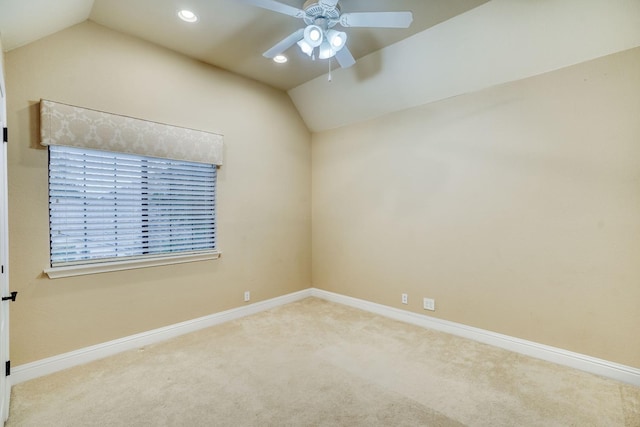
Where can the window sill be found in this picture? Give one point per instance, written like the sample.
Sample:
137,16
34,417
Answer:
105,267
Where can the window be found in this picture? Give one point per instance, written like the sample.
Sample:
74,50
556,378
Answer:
125,192
106,206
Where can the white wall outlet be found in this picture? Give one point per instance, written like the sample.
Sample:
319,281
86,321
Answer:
429,304
405,299
247,296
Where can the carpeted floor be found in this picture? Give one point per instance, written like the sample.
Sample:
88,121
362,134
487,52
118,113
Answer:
316,363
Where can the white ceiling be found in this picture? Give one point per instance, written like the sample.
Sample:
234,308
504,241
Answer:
453,46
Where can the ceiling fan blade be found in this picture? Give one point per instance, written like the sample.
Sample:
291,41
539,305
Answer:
377,19
345,58
284,44
276,6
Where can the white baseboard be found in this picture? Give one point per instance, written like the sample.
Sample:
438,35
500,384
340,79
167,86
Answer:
618,372
579,361
63,361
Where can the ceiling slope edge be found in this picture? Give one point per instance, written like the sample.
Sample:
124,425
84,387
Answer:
498,42
24,22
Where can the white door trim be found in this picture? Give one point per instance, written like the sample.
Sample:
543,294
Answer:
5,383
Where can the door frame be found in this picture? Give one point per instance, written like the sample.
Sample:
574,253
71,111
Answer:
5,382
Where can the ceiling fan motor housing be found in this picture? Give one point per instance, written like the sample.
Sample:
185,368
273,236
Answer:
316,14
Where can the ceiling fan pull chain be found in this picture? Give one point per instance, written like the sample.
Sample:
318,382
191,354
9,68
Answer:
330,70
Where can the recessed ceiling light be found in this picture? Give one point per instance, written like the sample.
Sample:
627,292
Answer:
280,59
187,16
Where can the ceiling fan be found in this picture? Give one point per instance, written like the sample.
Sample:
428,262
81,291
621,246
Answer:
319,38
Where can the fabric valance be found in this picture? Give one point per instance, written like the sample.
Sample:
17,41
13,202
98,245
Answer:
68,125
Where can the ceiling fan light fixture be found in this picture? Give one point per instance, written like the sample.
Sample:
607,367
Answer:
337,39
326,51
313,35
187,15
305,47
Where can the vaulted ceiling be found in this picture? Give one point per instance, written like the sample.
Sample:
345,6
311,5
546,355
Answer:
229,34
452,47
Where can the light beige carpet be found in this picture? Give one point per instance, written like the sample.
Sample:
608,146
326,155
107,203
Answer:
315,363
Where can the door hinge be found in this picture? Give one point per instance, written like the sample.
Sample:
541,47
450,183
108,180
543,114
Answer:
5,135
3,269
13,296
7,368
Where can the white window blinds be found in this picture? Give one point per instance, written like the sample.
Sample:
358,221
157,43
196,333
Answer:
105,206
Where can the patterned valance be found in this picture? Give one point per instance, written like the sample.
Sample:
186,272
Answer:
62,124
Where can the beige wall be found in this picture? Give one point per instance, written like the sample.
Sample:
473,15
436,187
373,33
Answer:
517,208
263,190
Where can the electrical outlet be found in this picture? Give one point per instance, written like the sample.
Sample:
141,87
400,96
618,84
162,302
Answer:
429,304
247,296
405,299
